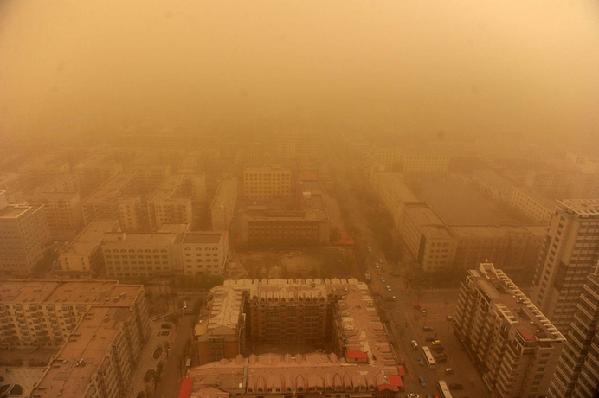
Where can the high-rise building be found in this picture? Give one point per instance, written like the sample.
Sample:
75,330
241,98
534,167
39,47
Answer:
23,236
513,344
577,374
569,255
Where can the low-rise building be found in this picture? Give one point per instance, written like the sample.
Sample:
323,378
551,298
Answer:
513,344
140,255
267,182
64,213
284,227
204,252
428,239
82,256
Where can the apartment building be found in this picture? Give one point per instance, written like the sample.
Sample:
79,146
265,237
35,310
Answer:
569,255
204,252
267,182
513,344
577,374
64,213
243,312
532,205
289,227
171,203
410,161
103,203
82,256
222,207
428,239
100,327
39,313
23,236
140,255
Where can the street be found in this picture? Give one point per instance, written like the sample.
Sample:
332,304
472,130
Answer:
401,305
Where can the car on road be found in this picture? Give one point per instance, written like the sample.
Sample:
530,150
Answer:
427,329
413,395
450,318
442,357
449,371
436,342
438,348
422,381
431,338
394,298
414,344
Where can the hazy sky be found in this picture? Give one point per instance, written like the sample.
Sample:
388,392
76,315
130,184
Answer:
415,66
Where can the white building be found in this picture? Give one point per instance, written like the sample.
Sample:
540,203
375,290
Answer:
204,252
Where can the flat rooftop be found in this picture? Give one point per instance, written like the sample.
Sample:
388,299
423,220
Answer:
203,237
581,207
81,357
94,292
141,239
514,305
459,202
90,238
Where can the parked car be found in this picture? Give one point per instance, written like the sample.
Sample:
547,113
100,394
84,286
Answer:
436,342
427,329
414,344
449,318
449,371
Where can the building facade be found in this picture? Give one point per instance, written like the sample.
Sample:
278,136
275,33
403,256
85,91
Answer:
140,255
204,252
222,207
577,374
285,228
23,236
263,183
569,255
513,344
243,313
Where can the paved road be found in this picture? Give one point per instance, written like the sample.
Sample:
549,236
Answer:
404,321
175,366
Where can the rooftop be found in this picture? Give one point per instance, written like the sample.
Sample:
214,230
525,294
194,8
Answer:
142,239
90,238
81,357
93,292
203,237
581,207
511,303
368,364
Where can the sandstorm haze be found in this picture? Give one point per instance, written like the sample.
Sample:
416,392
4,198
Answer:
528,68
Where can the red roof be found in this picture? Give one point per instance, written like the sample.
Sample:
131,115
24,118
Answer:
396,381
185,387
357,355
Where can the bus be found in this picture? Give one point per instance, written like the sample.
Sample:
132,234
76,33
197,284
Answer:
428,357
444,389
